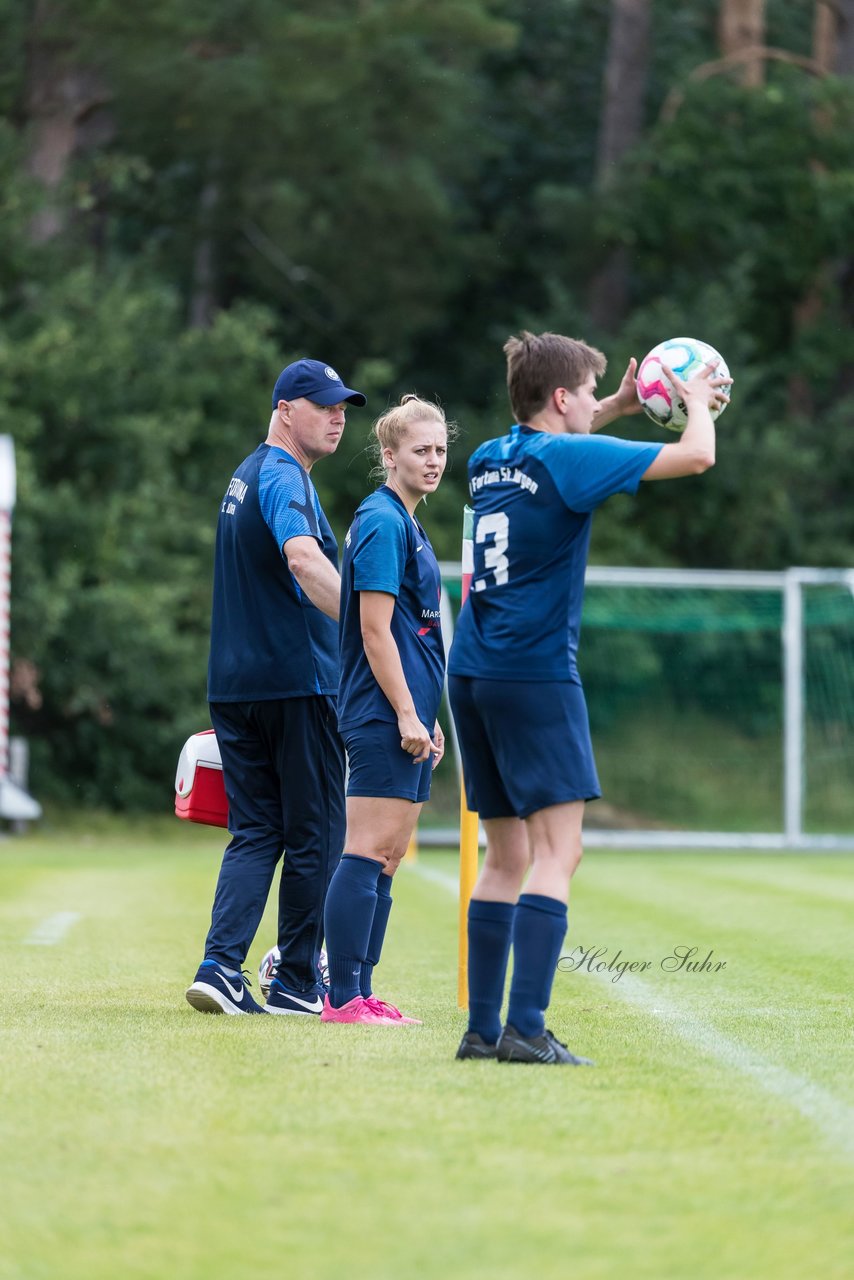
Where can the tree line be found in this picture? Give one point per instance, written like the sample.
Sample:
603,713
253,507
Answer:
195,194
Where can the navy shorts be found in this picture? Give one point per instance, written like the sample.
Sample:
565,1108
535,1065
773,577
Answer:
525,745
380,767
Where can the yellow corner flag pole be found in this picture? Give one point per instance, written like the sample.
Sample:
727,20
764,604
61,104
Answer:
468,876
468,821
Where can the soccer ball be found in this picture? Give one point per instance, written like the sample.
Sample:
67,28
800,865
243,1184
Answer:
267,969
685,356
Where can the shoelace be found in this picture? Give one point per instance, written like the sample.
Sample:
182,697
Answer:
379,1006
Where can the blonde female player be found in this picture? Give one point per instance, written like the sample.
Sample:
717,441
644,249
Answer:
392,673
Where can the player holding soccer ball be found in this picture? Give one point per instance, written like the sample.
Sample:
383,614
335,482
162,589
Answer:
515,691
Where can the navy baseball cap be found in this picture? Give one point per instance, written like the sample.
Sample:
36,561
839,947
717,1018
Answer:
313,380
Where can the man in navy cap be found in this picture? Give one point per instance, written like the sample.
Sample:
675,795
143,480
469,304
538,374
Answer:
272,686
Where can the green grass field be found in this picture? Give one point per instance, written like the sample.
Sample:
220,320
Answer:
714,1139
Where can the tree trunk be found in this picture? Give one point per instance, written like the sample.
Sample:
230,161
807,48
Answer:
833,44
833,36
843,65
844,61
741,26
203,300
621,126
65,111
624,85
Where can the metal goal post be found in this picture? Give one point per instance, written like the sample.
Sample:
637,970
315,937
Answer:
787,641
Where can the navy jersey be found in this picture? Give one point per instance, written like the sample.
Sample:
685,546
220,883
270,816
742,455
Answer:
533,494
267,639
387,550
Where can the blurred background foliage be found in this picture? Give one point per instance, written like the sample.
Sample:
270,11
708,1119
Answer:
193,195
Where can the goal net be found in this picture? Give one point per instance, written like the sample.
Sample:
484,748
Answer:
721,706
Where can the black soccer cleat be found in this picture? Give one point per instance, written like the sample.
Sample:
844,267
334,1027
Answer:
473,1045
513,1047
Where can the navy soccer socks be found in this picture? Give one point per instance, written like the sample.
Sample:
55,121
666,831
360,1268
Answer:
351,904
539,928
490,926
378,928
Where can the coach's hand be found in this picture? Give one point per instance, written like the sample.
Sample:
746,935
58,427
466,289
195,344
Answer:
414,737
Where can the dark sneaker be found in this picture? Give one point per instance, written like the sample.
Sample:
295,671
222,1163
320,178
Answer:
473,1045
281,1000
215,991
513,1047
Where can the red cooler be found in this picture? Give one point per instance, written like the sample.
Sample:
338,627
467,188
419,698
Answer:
199,788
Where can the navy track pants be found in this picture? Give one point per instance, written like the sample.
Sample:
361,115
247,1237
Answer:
283,765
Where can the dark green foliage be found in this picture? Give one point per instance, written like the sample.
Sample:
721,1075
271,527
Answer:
332,141
394,186
127,426
740,215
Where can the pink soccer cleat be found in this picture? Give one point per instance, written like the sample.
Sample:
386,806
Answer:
391,1012
369,1012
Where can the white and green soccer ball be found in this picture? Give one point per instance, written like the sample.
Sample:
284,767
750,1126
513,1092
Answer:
685,356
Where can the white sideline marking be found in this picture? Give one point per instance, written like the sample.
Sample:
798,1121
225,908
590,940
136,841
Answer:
52,929
834,1119
434,875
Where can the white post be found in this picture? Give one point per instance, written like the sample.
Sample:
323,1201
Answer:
15,804
793,707
7,502
447,619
